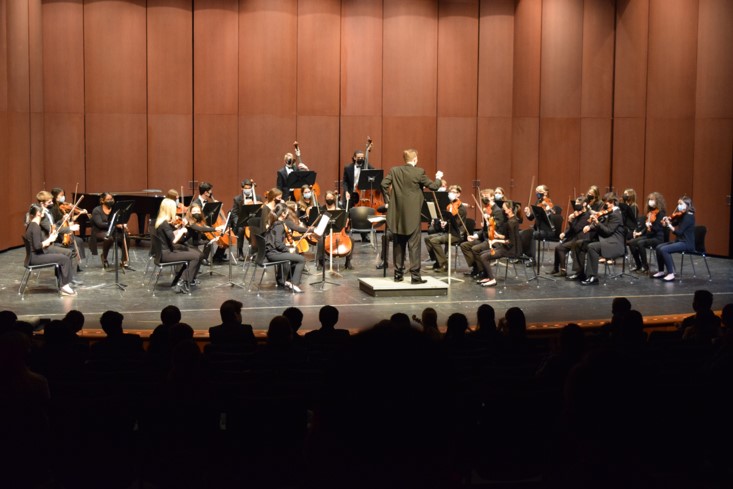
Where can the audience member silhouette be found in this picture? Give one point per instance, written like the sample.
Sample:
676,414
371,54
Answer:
280,352
486,334
704,326
75,322
62,354
620,307
557,366
117,346
429,321
7,321
327,335
295,316
400,319
231,331
159,343
631,333
514,332
455,339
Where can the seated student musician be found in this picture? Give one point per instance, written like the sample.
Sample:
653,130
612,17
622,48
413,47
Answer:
248,196
629,211
651,233
168,234
278,243
541,229
199,232
507,246
493,227
455,225
66,238
681,223
41,249
594,198
611,243
331,204
572,239
100,224
307,205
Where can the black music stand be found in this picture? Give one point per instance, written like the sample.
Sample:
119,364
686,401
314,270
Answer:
336,222
370,180
247,214
120,215
298,178
450,219
211,212
228,229
543,223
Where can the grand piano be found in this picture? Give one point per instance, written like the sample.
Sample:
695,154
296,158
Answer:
146,207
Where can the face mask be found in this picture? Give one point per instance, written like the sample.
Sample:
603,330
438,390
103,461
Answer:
578,207
359,162
652,204
61,199
485,200
498,197
590,197
452,196
247,192
330,201
197,216
289,163
539,195
307,195
109,203
682,207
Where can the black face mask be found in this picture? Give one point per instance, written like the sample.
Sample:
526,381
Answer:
289,163
109,203
330,201
578,207
198,217
359,162
627,198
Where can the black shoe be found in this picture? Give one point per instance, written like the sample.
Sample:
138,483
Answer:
181,287
365,239
205,262
529,263
590,281
105,263
79,269
382,265
398,277
576,276
348,266
418,280
436,266
195,282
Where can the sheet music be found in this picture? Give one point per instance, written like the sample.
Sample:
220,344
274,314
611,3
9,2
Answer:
431,210
322,224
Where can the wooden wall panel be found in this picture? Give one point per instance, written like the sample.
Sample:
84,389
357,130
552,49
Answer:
63,149
527,40
35,56
37,176
494,152
263,140
319,58
598,44
458,59
410,57
457,151
632,42
215,154
496,56
354,133
116,152
20,193
401,133
561,59
714,69
669,157
10,237
525,157
361,59
628,155
215,56
595,154
170,151
268,69
319,138
672,58
63,56
559,156
712,180
170,53
18,70
114,57
3,58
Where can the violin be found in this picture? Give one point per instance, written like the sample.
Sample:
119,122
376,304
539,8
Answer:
673,219
595,218
546,203
651,217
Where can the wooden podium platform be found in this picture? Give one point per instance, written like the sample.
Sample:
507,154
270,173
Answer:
387,287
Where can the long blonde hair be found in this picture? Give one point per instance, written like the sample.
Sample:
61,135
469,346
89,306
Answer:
166,213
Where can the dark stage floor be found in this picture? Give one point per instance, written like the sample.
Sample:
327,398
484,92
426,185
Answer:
550,302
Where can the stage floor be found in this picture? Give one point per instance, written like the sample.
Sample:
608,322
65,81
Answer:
545,301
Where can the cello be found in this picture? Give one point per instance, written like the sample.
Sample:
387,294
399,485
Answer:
338,244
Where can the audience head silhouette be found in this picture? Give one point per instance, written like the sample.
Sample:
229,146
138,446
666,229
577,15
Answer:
328,317
231,311
170,315
111,322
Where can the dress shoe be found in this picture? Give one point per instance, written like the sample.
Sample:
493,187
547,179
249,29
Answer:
436,267
79,269
590,281
67,291
398,277
659,275
105,263
182,287
195,282
297,289
669,277
489,283
382,265
418,280
529,262
576,276
205,262
348,266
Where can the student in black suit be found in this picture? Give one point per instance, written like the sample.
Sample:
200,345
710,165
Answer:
285,171
611,237
248,196
231,330
403,186
573,240
352,172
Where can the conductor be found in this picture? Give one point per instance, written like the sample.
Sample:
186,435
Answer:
403,185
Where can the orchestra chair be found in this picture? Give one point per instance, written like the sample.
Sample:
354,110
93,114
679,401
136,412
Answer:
156,250
700,250
652,249
29,269
262,263
471,228
557,221
513,260
359,217
610,268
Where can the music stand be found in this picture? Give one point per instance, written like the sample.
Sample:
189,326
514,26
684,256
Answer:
120,215
449,218
228,230
298,178
370,180
543,222
335,222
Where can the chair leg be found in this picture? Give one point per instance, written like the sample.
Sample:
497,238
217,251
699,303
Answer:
24,283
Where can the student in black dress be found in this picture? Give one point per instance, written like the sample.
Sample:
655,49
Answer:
594,198
168,238
541,229
39,249
629,211
651,232
509,246
197,232
100,225
277,246
681,223
58,210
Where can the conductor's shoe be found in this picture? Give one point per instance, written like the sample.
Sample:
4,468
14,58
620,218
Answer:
418,280
398,277
590,281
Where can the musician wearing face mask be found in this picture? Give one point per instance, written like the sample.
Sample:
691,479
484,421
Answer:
169,237
593,196
500,196
246,197
206,196
629,210
58,211
478,242
289,167
197,226
352,172
100,224
650,233
681,223
48,223
505,246
331,200
41,249
455,226
609,225
307,205
573,240
541,230
276,248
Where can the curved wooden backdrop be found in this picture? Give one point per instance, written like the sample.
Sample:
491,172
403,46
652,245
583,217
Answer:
131,94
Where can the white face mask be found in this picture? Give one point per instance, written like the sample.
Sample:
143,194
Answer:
247,192
652,203
61,199
452,196
498,196
307,195
682,207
